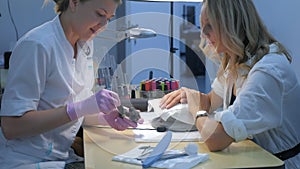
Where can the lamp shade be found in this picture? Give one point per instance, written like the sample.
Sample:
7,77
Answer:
132,33
138,32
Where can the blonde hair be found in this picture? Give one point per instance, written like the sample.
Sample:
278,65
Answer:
62,5
239,28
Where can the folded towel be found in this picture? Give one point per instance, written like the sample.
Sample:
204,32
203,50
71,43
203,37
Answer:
135,155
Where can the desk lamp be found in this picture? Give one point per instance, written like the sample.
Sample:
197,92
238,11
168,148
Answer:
133,32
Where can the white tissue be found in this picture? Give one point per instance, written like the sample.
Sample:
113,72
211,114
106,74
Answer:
179,112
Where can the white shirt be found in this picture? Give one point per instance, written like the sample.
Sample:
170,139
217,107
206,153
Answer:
44,75
266,107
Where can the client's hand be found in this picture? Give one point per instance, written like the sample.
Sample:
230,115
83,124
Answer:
193,100
173,98
116,121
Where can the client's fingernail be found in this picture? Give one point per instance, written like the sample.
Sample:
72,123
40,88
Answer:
140,121
162,106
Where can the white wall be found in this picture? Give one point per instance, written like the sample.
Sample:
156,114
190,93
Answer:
282,17
156,16
17,17
138,57
7,30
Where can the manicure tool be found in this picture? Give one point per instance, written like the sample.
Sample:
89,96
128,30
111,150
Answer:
158,151
130,112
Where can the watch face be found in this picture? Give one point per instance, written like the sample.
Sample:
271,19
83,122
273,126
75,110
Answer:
201,113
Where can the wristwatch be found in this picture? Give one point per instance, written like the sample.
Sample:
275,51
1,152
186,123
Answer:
201,113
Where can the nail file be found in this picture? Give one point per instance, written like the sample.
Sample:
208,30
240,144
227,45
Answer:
158,151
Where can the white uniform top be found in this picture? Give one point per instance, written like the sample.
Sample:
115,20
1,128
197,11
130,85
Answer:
43,75
266,107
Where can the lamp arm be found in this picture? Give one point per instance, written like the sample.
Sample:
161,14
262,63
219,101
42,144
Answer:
132,32
112,35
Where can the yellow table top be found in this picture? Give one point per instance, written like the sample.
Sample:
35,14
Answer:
101,144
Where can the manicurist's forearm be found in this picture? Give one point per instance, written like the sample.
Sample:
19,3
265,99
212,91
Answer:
34,122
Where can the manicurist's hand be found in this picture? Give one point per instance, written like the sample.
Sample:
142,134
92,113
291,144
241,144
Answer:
103,101
117,121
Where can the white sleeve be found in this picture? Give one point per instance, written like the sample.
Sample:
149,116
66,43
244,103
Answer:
26,79
233,127
257,108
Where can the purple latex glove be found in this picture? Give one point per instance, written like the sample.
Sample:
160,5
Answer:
103,101
115,121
